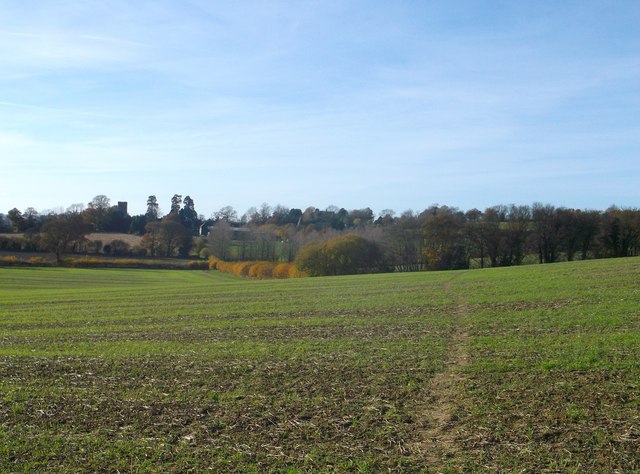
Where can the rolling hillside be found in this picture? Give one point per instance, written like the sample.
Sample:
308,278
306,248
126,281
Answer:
530,368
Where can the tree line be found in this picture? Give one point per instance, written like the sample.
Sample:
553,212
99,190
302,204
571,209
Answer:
336,240
437,238
170,235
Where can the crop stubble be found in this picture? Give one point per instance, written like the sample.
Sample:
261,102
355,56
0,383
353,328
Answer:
177,371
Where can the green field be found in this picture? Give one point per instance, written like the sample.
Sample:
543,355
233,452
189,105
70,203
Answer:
523,369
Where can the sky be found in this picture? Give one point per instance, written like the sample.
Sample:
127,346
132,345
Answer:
382,104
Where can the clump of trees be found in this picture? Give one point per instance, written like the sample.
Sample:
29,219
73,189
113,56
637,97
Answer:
167,237
60,232
171,235
344,255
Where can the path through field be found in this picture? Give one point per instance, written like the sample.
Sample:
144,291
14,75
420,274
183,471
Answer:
439,439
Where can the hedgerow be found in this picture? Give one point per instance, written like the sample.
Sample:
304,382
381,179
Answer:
92,262
261,270
12,260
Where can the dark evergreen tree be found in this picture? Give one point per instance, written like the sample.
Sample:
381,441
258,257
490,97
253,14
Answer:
176,200
153,209
189,216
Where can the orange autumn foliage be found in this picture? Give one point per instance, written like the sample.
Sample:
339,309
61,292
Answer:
261,270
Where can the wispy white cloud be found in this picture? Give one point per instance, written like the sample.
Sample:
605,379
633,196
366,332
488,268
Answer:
366,95
57,111
13,140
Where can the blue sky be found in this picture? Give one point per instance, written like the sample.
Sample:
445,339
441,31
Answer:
314,103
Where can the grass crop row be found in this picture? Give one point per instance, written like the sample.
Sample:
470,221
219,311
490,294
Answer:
156,370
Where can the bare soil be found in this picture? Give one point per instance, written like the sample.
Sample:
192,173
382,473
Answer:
441,427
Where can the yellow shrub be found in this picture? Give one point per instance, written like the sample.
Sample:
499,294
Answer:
295,273
262,270
213,262
226,267
251,271
281,270
242,268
